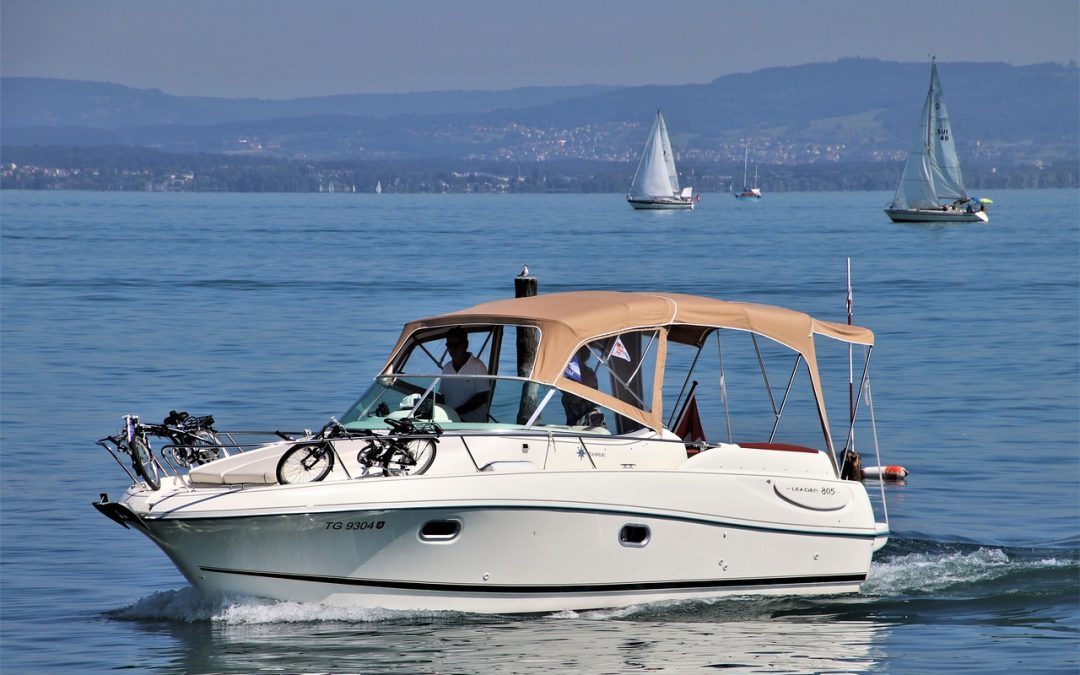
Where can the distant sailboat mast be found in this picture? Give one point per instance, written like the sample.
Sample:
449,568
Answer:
745,163
749,190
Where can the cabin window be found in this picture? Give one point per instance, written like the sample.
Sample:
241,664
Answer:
745,382
440,530
621,366
495,345
634,535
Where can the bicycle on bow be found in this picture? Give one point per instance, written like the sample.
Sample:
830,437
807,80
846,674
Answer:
409,449
193,440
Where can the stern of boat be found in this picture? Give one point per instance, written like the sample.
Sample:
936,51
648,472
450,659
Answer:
881,536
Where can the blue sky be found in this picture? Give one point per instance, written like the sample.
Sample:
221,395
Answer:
287,49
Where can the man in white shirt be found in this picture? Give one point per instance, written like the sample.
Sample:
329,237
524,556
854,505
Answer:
468,396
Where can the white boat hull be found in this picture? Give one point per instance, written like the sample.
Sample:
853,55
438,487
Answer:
533,542
661,203
936,216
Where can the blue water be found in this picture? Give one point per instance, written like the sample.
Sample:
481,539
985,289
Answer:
273,311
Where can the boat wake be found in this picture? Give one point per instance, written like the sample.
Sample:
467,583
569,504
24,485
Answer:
915,567
911,577
190,605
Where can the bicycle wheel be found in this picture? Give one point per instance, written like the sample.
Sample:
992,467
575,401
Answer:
369,454
145,464
421,455
305,463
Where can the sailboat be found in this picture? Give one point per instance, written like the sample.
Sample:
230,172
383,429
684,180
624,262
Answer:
656,183
378,187
749,192
931,188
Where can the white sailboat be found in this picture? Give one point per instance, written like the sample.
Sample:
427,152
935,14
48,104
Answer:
378,187
932,187
750,191
656,183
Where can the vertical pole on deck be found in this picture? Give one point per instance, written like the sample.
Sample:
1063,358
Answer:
850,365
526,286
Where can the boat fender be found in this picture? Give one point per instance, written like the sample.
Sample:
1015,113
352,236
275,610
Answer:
893,472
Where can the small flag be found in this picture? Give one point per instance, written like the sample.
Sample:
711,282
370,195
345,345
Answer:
689,426
618,350
573,370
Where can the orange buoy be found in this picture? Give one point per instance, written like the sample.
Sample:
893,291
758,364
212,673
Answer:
894,472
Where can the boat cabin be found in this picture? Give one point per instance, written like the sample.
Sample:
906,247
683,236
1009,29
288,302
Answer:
603,362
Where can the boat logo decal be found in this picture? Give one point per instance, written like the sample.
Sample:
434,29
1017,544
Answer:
813,495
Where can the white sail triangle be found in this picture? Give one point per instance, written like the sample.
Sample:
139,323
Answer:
655,176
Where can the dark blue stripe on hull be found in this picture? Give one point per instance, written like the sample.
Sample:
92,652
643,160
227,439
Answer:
582,588
719,522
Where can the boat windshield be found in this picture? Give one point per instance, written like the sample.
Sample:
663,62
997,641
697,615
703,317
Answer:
505,402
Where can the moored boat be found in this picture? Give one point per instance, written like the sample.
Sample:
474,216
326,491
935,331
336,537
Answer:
518,456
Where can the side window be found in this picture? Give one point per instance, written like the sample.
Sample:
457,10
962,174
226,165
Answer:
621,366
428,353
423,357
517,350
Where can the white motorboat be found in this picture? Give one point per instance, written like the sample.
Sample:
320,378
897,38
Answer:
656,182
574,486
931,188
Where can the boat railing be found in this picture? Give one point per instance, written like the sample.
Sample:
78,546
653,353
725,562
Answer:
177,460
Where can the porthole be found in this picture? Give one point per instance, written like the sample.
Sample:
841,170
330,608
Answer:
440,530
634,535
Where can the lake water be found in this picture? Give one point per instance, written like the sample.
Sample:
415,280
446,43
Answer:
273,311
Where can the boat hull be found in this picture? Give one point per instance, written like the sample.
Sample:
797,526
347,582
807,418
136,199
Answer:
521,543
936,216
661,204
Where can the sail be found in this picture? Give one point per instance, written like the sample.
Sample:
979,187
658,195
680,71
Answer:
656,168
932,170
945,165
916,188
669,156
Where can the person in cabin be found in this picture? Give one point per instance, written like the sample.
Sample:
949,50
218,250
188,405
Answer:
467,396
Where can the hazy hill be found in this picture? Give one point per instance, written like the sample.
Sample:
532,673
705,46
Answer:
43,102
1000,113
993,100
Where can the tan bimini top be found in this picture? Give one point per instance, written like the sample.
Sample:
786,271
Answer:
569,320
